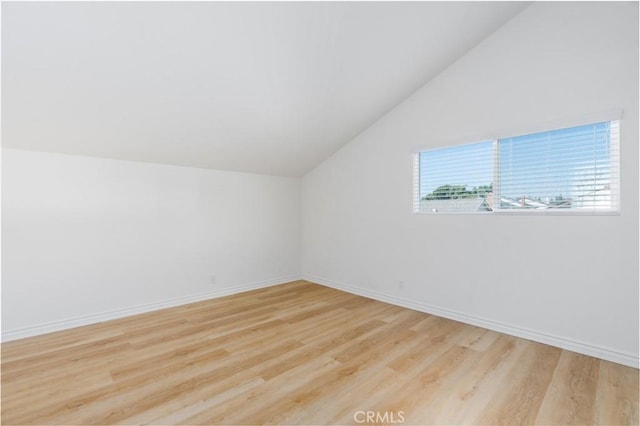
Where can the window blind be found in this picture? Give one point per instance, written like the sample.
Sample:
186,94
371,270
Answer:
456,179
571,169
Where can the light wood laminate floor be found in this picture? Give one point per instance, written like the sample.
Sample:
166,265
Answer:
301,353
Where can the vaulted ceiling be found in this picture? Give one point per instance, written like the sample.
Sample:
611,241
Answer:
271,88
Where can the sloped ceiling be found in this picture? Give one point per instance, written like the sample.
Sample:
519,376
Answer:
271,88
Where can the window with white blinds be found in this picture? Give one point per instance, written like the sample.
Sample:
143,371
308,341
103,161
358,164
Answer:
567,170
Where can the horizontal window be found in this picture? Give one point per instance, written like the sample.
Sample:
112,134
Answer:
572,169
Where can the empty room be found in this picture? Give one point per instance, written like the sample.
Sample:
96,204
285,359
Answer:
320,213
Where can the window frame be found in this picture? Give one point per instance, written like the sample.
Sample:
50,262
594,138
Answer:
614,153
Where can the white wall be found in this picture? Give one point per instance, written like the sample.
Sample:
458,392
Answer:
85,239
567,280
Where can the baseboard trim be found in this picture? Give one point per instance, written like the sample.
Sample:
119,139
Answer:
536,336
52,326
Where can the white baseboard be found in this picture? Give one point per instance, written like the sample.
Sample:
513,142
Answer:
536,336
138,309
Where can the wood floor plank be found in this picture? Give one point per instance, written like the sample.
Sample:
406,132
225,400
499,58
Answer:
301,353
418,392
369,391
257,406
617,395
524,388
479,383
572,392
181,412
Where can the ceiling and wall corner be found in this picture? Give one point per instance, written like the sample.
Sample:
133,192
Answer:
569,281
268,87
265,88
